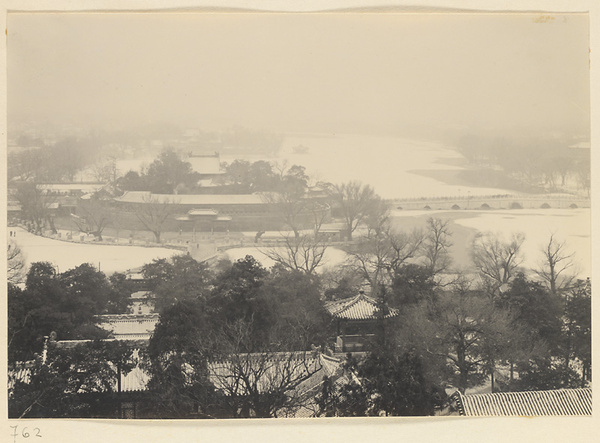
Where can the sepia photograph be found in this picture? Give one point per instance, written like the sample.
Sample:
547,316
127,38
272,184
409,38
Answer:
260,215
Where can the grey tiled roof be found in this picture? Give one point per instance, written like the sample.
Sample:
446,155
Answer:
569,402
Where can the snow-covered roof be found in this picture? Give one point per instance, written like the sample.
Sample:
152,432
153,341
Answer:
567,402
129,326
202,212
360,307
141,295
191,199
89,187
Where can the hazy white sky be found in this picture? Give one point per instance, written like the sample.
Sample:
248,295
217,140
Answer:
312,72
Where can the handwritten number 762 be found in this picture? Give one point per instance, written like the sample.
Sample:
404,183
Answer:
24,433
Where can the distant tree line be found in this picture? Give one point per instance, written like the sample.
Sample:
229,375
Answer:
56,162
538,164
170,174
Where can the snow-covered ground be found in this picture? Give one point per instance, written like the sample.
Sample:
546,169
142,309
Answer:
572,226
332,257
67,255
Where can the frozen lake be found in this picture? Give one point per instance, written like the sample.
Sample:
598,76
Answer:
67,255
385,163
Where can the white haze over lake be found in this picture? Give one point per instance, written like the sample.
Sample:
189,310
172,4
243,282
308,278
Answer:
382,162
385,163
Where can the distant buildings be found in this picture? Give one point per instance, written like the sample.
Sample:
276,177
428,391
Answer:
206,164
206,212
141,320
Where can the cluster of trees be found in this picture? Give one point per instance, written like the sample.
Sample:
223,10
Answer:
285,188
52,163
244,177
36,206
64,303
224,328
464,327
207,316
544,163
71,382
167,174
229,335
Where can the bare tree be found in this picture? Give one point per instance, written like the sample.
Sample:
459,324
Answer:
94,217
320,213
105,171
355,202
495,259
436,245
556,262
378,218
153,212
404,245
15,263
289,199
260,384
36,206
26,165
303,253
288,206
379,257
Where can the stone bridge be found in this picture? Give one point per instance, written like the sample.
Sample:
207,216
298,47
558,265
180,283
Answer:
493,202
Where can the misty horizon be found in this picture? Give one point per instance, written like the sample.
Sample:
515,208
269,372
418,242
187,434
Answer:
428,74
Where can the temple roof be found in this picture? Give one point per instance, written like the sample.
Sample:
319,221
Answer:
528,403
360,307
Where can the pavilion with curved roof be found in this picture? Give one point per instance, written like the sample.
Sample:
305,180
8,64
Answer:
356,319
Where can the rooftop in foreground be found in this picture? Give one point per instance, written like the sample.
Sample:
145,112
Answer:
560,402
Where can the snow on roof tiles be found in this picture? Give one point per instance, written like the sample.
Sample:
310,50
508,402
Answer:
359,307
192,199
567,402
129,326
